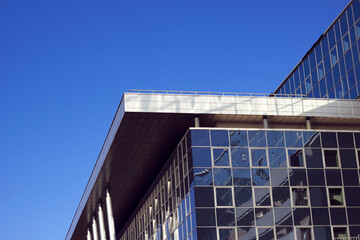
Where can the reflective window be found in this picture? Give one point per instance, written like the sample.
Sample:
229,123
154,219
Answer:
245,233
340,232
227,233
225,216
358,29
298,177
200,138
262,196
260,177
222,176
331,158
258,157
316,177
264,216
333,177
283,216
348,158
333,56
275,139
257,139
286,233
266,233
302,216
346,42
244,216
201,156
338,216
238,138
336,197
240,157
281,197
299,196
279,177
205,217
328,140
277,157
203,176
221,157
313,158
311,139
350,177
243,196
206,233
296,158
304,234
318,197
219,138
241,177
294,139
204,197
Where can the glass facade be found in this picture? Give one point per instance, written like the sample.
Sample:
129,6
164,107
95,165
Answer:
254,184
331,69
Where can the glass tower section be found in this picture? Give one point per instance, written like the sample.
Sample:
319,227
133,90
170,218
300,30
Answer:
254,184
331,68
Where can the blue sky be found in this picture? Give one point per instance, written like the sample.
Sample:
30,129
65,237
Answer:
65,64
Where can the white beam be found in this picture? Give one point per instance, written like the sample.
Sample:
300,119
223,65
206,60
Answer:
110,216
101,223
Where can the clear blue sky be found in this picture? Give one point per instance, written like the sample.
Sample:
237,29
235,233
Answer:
65,64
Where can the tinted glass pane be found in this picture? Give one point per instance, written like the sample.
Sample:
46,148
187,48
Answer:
348,158
219,138
258,157
240,157
283,216
298,177
221,156
357,137
225,216
200,138
296,158
336,197
266,233
328,140
331,158
338,216
264,216
238,138
245,233
279,177
313,158
222,176
201,156
333,177
244,216
318,196
302,216
293,139
243,197
260,177
300,196
281,197
322,233
275,139
350,177
205,217
206,234
224,197
227,233
316,177
277,157
353,215
262,196
352,196
285,233
257,139
241,177
204,197
203,176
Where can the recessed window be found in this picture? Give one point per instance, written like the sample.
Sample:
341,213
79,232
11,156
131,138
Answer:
331,158
296,158
300,196
340,232
336,197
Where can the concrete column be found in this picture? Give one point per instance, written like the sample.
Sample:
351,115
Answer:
265,121
94,228
308,123
197,122
110,217
88,236
101,224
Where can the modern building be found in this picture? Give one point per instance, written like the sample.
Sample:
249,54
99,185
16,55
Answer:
197,165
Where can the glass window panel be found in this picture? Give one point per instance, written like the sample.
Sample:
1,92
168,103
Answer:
281,197
304,234
340,232
205,217
243,196
279,177
348,60
302,216
343,24
322,85
200,137
201,156
227,233
222,176
333,56
352,196
299,196
342,67
336,197
338,90
331,37
219,138
245,216
257,139
345,140
283,216
306,67
277,157
293,139
311,139
204,197
298,177
353,215
308,84
245,233
260,177
285,233
333,177
225,216
318,53
322,233
358,29
264,216
350,16
350,177
327,64
240,157
206,234
313,158
321,70
331,158
316,177
352,35
238,138
338,216
318,197
324,45
203,176
275,138
221,157
348,158
357,137
241,177
329,83
262,196
266,233
352,83
258,157
312,60
296,158
328,139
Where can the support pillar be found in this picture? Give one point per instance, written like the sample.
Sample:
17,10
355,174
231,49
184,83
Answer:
88,236
265,122
110,217
308,123
94,228
101,224
197,122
